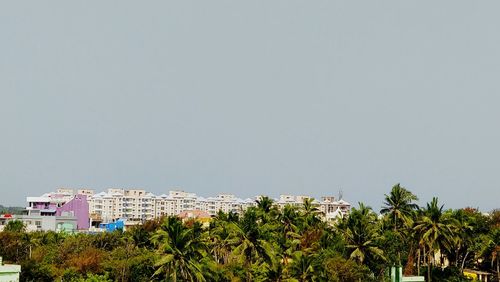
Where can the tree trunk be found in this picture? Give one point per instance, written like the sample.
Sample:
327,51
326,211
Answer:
429,266
425,255
498,269
463,263
418,262
409,268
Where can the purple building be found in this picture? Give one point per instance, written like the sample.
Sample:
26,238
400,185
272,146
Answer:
79,208
61,205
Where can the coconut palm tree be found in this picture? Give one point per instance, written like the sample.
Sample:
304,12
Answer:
435,230
252,241
223,239
361,233
462,237
310,212
399,206
266,210
302,267
180,251
491,249
264,204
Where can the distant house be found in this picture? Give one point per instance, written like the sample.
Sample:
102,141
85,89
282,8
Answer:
113,226
56,211
9,272
477,275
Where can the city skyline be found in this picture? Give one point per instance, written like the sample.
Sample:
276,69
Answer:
243,196
69,209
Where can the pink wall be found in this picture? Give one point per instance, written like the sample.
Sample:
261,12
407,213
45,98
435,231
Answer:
80,208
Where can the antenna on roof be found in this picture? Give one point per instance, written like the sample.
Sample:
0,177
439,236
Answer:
341,194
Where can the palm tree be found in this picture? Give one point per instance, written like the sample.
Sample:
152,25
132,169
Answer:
252,241
222,234
310,212
435,230
264,204
360,232
412,241
266,210
302,267
399,206
288,230
180,250
491,249
399,209
288,219
462,237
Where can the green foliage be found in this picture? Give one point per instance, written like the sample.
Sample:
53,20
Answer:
94,278
11,210
268,243
340,269
399,206
15,226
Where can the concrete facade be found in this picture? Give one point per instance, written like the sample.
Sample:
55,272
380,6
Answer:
55,211
9,272
137,205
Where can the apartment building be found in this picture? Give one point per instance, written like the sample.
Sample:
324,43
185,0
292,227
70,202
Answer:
86,192
328,206
332,208
179,201
175,202
137,205
134,205
224,202
290,200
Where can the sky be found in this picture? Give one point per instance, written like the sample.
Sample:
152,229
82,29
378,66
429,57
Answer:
252,97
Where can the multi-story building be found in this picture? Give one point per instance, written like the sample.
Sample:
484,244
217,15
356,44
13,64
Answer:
175,202
224,202
86,192
56,211
290,200
328,206
70,211
137,205
332,209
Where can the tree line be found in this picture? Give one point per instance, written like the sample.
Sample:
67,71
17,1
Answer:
268,243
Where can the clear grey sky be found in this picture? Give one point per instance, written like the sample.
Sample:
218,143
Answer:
299,97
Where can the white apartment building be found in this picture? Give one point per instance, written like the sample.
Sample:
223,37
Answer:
86,192
290,200
174,203
179,201
137,205
328,206
224,202
332,208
